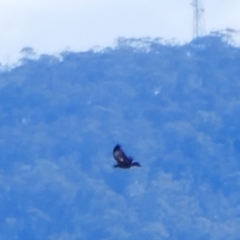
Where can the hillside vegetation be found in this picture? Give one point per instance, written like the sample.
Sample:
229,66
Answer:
174,108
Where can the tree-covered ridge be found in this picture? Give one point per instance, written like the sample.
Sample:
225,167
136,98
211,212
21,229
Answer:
174,108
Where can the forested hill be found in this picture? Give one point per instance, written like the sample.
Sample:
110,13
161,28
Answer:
173,108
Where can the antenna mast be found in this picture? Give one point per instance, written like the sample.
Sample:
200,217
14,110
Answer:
198,11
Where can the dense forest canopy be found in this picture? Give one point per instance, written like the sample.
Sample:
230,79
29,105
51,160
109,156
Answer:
174,108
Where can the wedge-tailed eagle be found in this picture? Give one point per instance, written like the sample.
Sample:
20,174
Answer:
122,160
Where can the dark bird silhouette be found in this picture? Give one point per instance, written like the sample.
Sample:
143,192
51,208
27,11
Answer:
122,160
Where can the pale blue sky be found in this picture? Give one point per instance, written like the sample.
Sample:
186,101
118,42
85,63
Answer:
50,26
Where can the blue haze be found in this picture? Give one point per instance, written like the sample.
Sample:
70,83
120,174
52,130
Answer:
174,108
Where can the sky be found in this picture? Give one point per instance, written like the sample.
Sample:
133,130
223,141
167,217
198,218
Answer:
52,26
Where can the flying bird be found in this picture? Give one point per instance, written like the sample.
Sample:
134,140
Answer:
122,160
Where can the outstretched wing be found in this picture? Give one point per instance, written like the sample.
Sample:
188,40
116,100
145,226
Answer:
119,155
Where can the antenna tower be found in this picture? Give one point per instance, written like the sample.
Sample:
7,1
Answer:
198,11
